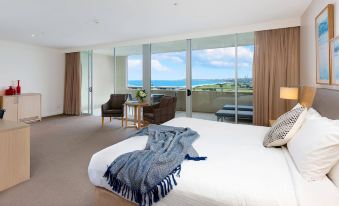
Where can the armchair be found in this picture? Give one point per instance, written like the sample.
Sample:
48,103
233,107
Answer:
114,107
161,112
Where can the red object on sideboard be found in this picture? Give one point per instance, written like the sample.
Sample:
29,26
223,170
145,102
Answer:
10,91
18,88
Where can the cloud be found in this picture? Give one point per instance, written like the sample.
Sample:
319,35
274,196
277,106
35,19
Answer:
156,65
176,57
245,52
222,53
222,63
224,57
134,64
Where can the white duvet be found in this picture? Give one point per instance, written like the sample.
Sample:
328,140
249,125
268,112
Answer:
238,171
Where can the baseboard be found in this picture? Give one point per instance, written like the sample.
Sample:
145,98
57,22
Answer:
52,115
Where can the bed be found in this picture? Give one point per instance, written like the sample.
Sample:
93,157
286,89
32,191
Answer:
238,171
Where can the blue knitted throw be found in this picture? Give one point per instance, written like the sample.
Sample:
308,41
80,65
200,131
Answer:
143,175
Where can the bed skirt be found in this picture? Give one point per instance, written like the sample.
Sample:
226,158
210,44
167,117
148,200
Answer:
104,197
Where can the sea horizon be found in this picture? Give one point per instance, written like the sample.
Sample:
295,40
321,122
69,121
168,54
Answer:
181,82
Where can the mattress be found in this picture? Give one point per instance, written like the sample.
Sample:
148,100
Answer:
238,171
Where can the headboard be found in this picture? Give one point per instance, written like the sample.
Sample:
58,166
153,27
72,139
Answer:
307,95
326,102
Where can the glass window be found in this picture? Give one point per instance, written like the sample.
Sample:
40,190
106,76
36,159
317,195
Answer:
168,72
86,58
128,73
213,77
245,74
134,71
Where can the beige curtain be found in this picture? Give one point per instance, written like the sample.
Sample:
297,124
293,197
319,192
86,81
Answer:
72,99
276,64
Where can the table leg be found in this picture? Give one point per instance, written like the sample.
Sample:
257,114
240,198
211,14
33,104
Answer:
122,118
126,116
135,115
139,117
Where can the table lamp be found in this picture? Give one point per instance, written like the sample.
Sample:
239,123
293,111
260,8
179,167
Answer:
290,93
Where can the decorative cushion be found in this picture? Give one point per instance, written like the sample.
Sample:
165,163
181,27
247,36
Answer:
297,106
285,127
315,147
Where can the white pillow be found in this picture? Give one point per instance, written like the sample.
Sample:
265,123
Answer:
312,113
285,127
315,147
334,174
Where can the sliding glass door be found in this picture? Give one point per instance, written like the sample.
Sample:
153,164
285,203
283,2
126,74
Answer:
245,50
213,76
86,83
103,77
168,72
221,78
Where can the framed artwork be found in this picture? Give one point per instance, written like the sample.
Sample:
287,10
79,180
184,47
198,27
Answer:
335,60
324,31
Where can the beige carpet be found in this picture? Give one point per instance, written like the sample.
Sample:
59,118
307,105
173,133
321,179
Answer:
61,148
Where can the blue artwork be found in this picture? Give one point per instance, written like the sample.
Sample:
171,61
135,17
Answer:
335,61
323,48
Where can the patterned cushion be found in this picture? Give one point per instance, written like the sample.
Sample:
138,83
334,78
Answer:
285,127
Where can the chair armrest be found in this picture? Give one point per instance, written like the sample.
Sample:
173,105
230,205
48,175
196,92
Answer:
150,109
105,107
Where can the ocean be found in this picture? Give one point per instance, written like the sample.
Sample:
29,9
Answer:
177,83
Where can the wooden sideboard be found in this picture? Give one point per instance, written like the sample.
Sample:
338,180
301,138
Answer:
22,108
14,153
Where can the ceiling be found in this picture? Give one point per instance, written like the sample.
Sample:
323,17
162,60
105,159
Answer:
78,23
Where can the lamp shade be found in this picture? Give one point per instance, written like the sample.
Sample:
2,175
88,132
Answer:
289,93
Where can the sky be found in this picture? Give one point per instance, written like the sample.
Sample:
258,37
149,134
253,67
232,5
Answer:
206,64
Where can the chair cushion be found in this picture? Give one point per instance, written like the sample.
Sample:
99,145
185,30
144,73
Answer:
113,111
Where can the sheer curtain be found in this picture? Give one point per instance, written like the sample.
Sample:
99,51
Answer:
72,98
276,63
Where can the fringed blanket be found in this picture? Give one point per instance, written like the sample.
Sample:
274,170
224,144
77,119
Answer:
143,175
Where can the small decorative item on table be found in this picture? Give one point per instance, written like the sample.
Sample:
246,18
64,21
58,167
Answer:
141,95
10,91
18,88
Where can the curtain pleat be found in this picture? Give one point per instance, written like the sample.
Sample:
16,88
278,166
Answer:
72,98
276,64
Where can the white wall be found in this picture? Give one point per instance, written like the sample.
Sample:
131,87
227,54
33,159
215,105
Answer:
40,69
103,78
307,34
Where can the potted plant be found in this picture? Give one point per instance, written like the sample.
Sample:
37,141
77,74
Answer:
141,95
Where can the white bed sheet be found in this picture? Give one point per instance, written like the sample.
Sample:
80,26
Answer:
238,171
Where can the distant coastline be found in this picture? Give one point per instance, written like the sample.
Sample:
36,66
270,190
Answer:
182,83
